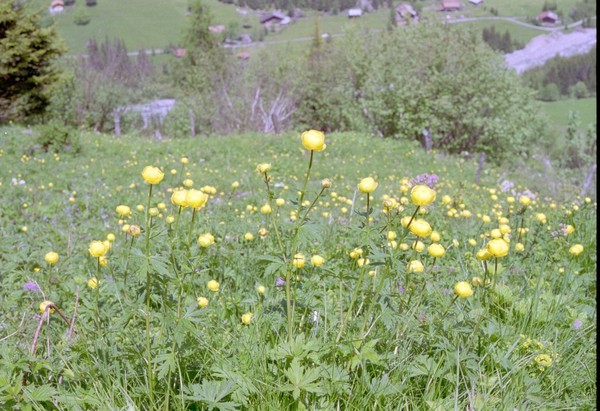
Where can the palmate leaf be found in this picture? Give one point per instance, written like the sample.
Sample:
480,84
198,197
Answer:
301,379
166,363
212,393
40,393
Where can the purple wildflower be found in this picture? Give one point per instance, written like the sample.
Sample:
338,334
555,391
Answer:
280,282
31,286
577,324
427,179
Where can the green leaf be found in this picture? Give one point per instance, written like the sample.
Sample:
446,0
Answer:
40,393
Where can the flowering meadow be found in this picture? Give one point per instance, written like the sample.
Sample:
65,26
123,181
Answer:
302,271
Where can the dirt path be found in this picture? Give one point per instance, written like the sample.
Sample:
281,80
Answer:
544,47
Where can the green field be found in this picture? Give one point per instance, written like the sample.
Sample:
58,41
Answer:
179,308
558,111
155,24
518,33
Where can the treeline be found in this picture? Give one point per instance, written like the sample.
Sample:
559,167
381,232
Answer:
500,42
333,6
564,76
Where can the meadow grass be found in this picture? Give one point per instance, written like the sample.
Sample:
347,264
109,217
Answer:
558,111
376,324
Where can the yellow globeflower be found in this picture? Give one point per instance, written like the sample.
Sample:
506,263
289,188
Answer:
280,202
261,289
541,217
45,304
153,211
326,183
246,318
110,237
152,175
483,254
92,282
266,209
362,261
195,198
103,261
123,210
367,185
498,247
463,289
299,260
391,235
415,266
317,260
263,167
179,198
418,246
97,249
213,285
422,195
420,228
525,200
436,250
202,301
51,257
314,140
206,240
134,230
262,232
435,236
188,182
249,236
576,249
569,229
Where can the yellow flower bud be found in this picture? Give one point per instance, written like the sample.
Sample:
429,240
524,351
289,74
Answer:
206,240
498,247
420,227
202,301
97,249
326,183
179,197
51,257
134,230
152,175
213,285
576,249
483,254
92,283
123,210
261,289
436,250
299,260
45,304
367,185
314,140
463,289
317,260
196,198
246,318
422,195
263,168
415,266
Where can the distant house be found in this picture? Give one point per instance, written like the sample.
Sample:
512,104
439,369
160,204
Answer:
274,19
450,5
354,13
56,7
405,13
216,29
548,17
476,2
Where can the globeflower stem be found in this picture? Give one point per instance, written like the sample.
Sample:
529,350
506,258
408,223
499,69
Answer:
191,226
412,218
450,305
148,278
288,276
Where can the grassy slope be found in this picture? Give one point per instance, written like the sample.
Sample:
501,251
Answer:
558,111
155,24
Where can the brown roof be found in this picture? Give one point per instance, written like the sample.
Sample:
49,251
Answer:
451,4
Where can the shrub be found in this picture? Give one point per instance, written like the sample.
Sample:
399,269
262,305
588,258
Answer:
57,137
81,17
579,90
550,92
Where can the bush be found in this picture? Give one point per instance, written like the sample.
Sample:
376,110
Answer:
579,90
81,17
90,3
550,92
57,137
